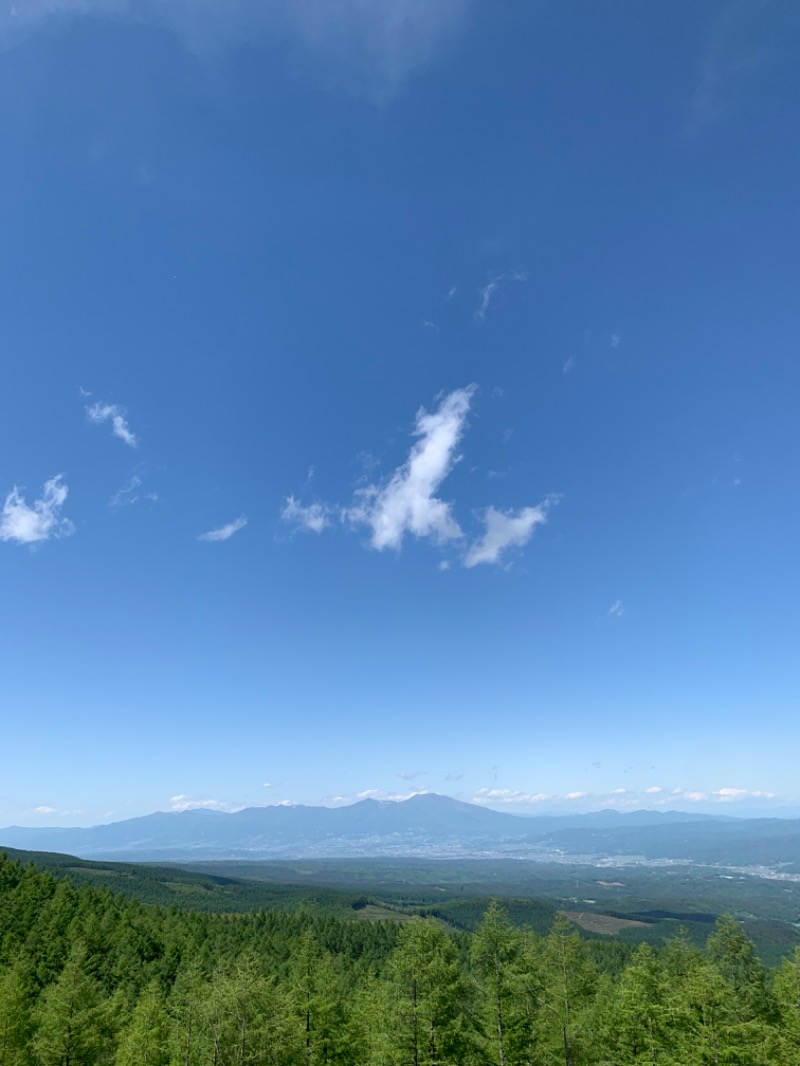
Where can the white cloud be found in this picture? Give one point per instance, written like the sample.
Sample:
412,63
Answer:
653,790
506,529
372,44
407,503
575,796
41,521
389,797
45,810
617,609
509,797
311,519
487,293
113,413
569,365
224,532
129,493
183,803
730,795
618,791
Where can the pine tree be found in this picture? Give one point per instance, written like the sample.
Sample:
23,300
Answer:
640,1009
787,999
431,1023
145,1040
16,1015
71,1022
316,1004
567,979
495,955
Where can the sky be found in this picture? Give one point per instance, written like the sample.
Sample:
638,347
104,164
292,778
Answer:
398,396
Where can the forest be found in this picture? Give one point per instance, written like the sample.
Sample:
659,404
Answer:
88,976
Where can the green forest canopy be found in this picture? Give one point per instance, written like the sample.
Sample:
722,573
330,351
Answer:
90,977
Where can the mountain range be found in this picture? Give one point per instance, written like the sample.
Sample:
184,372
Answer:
424,825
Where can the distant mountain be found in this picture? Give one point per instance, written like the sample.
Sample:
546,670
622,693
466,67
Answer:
370,826
426,824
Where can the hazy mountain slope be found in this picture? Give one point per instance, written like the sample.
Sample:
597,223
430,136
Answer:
424,824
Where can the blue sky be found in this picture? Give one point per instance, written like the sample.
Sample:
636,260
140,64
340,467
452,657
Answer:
398,395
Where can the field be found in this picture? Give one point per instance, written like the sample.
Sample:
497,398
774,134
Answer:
630,903
650,902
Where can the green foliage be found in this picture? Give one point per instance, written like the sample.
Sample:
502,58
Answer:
90,978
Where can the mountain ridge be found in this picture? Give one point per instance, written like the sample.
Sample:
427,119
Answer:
426,823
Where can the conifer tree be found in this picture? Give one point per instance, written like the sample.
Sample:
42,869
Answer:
567,979
495,953
16,1015
71,1023
640,1009
145,1040
432,1027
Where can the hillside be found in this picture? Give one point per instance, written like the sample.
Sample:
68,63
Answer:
424,825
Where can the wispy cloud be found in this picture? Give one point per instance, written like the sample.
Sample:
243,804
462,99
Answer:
411,775
616,340
408,503
731,795
510,797
130,493
745,41
113,413
487,293
41,520
367,45
224,532
45,810
506,529
655,797
392,797
311,519
719,795
569,366
184,803
617,609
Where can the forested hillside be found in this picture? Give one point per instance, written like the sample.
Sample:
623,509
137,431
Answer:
89,977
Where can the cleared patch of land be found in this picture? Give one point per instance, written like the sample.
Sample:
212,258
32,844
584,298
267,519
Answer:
603,923
375,913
